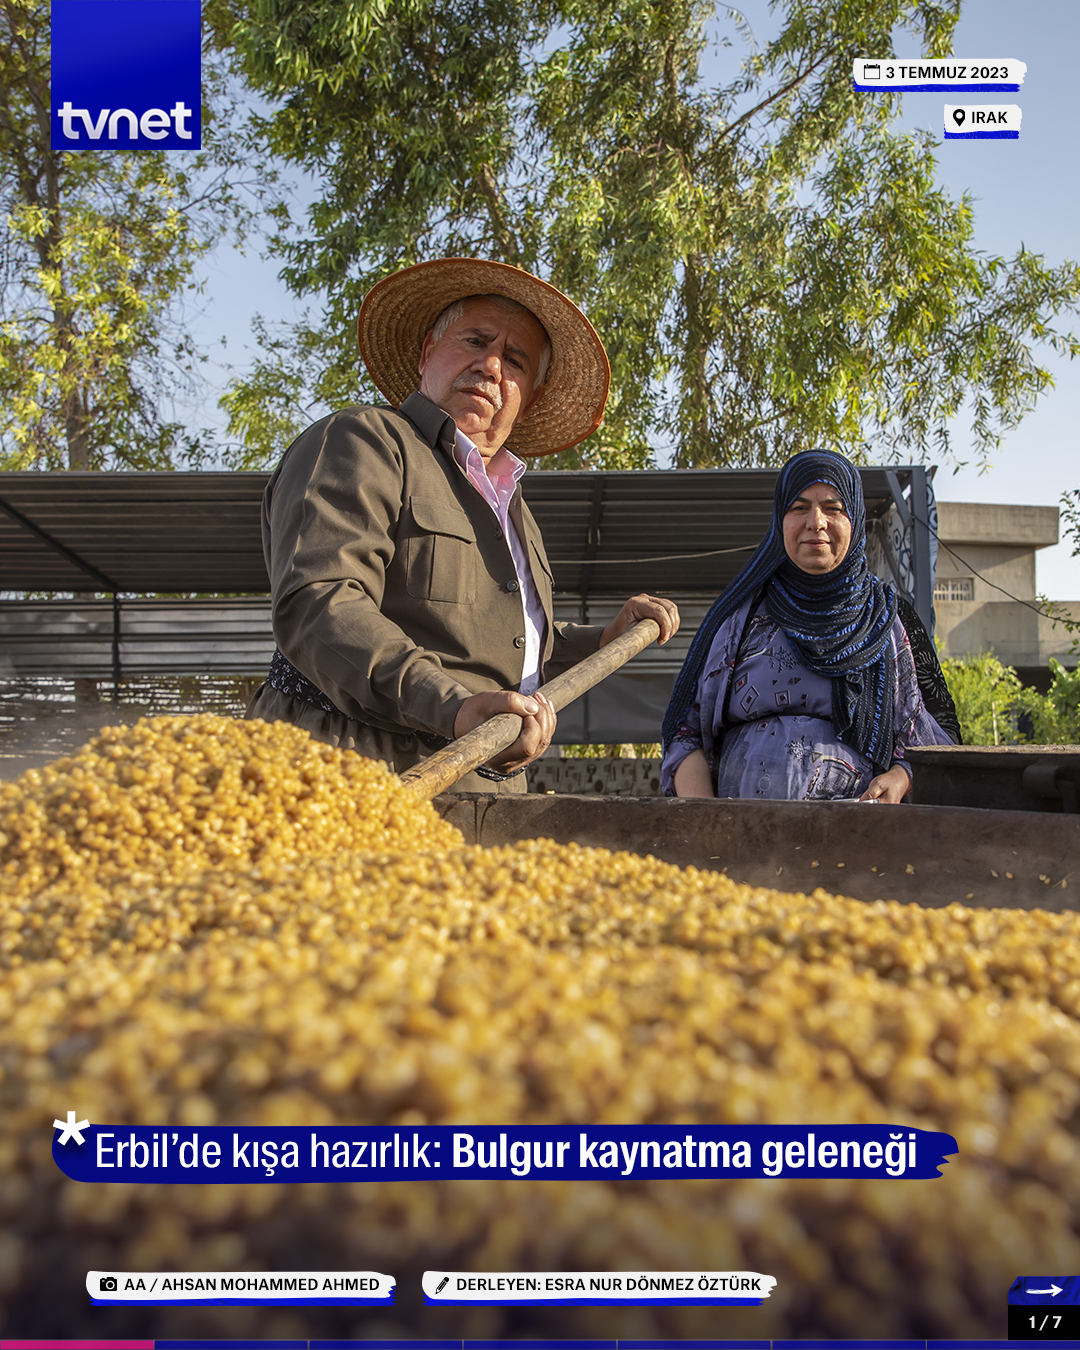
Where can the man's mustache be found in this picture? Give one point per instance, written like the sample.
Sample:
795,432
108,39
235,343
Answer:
469,384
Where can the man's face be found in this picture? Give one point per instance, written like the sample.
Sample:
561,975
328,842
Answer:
481,371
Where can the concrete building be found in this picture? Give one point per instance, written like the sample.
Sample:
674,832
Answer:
987,556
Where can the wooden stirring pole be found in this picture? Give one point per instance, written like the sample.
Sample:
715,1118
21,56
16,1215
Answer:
443,769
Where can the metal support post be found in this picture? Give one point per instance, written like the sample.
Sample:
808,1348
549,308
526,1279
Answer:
923,597
115,647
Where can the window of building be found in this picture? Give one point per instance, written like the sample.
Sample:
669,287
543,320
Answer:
954,588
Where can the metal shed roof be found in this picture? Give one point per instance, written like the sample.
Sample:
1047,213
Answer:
138,533
664,531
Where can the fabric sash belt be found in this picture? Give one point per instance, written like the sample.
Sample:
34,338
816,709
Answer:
286,679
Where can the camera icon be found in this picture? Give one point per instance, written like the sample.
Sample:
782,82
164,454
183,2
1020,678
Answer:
108,1284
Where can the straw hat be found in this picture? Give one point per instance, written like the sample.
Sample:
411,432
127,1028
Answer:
398,312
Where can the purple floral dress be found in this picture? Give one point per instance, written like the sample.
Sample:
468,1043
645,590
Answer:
780,741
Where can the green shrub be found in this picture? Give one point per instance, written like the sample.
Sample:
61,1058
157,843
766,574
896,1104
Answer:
1055,716
987,695
996,709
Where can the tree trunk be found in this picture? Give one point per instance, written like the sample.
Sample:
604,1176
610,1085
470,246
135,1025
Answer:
504,236
696,447
77,429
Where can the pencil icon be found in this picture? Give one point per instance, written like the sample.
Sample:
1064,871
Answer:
442,1284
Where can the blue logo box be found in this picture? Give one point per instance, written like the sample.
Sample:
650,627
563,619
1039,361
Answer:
126,75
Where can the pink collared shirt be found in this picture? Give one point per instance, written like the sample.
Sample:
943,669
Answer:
497,482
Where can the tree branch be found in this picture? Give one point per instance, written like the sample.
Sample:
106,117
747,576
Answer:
786,89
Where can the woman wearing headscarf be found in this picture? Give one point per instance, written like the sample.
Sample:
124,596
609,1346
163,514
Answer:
802,682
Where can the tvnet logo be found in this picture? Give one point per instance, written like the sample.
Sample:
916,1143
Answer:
126,74
154,124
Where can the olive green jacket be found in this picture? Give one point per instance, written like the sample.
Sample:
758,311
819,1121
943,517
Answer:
393,588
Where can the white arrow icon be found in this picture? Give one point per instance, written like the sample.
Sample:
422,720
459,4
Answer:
72,1129
1054,1289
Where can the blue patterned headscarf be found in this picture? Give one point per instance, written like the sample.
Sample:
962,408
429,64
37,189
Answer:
838,622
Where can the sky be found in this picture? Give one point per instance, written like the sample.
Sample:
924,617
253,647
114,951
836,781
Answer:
1026,193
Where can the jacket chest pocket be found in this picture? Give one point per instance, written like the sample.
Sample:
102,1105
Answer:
442,561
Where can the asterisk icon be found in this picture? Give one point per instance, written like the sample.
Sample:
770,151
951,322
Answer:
71,1129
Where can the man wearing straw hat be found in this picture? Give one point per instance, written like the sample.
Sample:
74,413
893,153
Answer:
412,595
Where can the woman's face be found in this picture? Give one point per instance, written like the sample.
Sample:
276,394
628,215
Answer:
817,531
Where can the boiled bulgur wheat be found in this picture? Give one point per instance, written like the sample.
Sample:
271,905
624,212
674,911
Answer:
334,960
176,794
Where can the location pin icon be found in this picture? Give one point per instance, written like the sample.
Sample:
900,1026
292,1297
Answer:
958,116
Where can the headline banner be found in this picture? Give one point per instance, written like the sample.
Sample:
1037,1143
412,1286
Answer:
221,1153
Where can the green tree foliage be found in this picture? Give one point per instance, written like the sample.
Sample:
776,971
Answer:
996,709
95,249
770,266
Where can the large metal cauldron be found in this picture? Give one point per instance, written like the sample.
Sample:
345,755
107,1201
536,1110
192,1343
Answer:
929,855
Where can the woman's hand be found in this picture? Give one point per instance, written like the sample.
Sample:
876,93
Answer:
890,787
692,777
